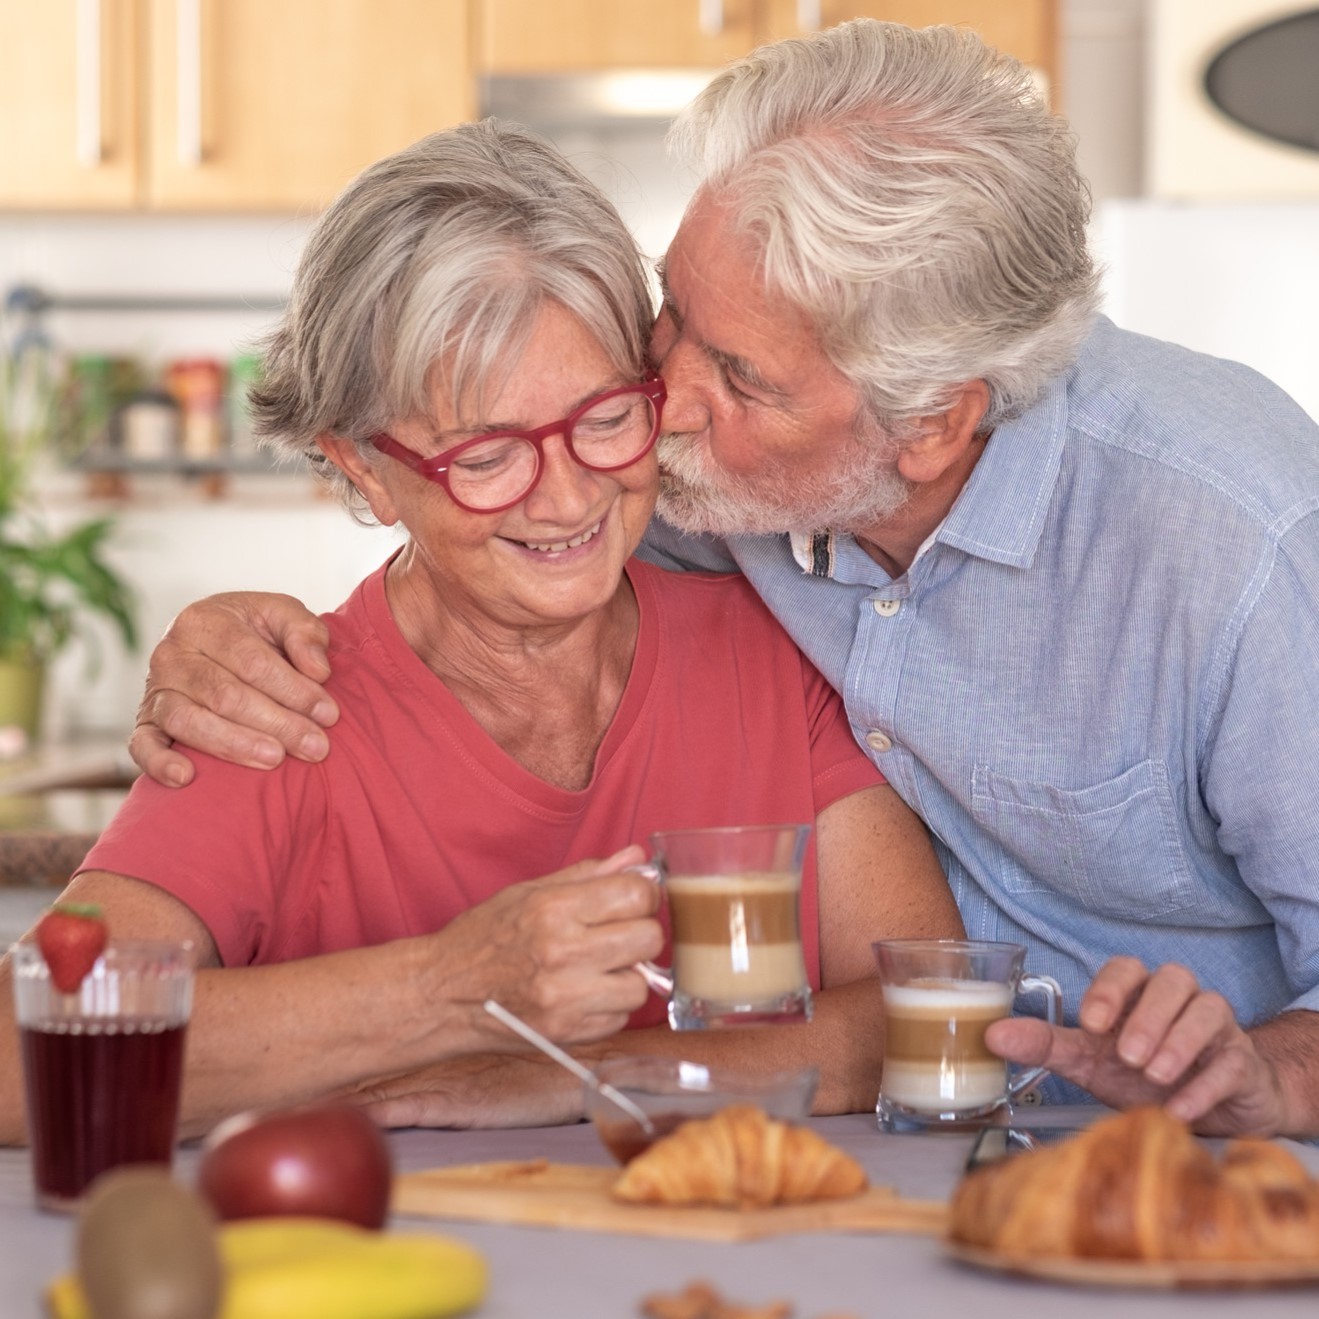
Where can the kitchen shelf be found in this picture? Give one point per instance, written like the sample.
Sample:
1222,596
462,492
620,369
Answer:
28,299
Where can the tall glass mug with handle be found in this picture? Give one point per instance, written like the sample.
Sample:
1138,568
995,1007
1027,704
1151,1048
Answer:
734,900
940,996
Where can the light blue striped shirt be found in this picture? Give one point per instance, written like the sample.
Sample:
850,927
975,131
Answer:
1098,683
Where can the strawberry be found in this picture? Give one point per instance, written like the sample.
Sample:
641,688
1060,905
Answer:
71,936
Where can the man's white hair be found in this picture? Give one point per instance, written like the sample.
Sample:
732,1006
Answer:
911,193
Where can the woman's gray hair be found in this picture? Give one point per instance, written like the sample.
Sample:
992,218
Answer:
428,270
911,193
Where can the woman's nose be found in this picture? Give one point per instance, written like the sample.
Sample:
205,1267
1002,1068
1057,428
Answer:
565,486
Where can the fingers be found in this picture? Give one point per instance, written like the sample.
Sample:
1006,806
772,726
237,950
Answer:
150,748
1110,994
1229,1073
1179,1031
1161,1021
236,676
560,952
1024,1040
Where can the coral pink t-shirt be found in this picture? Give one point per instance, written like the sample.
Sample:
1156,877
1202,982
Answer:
417,814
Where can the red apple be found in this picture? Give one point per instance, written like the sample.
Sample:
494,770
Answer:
326,1160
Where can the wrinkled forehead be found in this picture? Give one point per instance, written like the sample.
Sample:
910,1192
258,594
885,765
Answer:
715,290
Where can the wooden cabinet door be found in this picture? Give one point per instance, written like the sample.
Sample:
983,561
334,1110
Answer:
1024,28
68,104
276,104
583,36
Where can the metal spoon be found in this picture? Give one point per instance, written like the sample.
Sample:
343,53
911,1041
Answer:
551,1050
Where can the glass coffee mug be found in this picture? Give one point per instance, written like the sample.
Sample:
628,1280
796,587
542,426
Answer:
734,909
940,996
102,1066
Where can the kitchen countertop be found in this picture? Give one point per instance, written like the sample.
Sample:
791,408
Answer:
54,802
555,1273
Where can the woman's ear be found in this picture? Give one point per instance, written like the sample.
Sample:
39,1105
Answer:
350,460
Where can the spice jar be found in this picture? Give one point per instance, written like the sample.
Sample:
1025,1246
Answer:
149,427
198,386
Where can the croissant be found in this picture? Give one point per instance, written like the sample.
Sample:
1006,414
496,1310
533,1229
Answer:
1140,1186
739,1157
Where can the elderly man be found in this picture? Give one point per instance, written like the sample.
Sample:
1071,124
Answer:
1065,577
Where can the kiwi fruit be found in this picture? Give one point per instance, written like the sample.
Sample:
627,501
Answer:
146,1248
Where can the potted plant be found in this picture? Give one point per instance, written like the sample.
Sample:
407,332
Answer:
48,580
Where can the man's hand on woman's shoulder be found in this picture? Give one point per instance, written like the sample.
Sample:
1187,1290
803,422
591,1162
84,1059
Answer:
237,676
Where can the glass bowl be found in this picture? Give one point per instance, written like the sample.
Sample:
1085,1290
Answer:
670,1092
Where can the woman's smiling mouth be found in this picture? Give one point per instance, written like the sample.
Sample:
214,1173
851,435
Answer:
554,546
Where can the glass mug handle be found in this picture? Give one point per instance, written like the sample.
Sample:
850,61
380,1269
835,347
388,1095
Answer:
1053,1015
657,978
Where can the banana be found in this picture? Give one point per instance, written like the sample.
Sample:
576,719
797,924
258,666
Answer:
284,1268
250,1242
393,1277
64,1299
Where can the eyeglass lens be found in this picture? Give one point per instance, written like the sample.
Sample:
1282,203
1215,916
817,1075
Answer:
610,433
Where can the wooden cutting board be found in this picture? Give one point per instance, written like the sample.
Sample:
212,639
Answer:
541,1194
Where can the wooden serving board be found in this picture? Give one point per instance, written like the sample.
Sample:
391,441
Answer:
542,1194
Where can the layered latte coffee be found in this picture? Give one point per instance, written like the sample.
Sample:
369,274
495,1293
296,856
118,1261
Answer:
736,938
935,1056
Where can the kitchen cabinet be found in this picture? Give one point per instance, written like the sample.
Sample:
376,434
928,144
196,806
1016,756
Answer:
584,36
219,105
1024,28
68,100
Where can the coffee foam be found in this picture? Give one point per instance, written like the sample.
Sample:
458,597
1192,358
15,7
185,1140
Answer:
753,881
934,997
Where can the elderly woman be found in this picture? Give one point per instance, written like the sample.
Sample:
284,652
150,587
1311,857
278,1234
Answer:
464,355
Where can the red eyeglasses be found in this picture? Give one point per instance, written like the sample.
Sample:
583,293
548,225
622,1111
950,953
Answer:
496,470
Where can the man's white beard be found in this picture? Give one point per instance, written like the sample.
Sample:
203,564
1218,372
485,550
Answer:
861,490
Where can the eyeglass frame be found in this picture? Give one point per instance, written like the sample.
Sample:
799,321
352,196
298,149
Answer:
436,468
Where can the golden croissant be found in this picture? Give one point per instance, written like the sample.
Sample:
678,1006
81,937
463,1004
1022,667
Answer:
1140,1186
739,1157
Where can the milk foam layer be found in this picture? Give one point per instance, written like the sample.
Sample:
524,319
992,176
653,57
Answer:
759,973
945,998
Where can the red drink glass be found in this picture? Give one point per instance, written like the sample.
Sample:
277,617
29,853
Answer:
102,1066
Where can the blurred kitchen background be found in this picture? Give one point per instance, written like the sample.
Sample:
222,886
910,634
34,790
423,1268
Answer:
162,160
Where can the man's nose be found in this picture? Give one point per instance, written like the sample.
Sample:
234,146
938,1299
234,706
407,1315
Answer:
685,371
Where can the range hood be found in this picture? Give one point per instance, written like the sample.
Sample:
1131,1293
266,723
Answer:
589,100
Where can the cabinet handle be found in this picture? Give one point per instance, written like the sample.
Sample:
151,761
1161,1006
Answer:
711,18
87,57
808,15
188,56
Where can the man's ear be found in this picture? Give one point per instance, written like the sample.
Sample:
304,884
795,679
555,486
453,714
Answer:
350,460
945,437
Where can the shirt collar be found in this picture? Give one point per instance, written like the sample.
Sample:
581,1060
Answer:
1000,512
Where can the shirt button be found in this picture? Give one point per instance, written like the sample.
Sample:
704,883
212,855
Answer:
887,608
877,741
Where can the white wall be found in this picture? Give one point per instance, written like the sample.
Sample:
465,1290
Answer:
1240,281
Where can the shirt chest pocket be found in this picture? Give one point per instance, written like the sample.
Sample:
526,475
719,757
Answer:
1114,847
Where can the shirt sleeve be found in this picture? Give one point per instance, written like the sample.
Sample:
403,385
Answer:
223,846
838,765
1260,762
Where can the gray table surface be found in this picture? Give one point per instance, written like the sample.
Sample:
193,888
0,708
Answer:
543,1273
